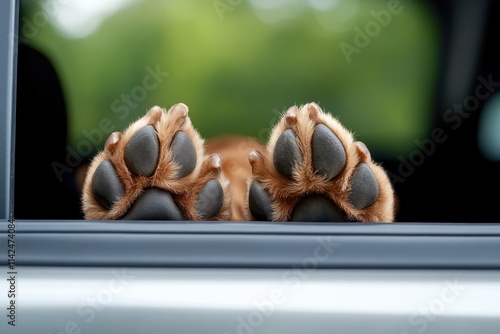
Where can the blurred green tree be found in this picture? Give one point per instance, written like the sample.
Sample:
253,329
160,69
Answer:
238,69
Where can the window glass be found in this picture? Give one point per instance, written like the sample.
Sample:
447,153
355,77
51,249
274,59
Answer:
489,134
237,65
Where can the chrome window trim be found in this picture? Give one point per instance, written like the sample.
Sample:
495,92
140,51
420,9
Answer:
8,62
257,245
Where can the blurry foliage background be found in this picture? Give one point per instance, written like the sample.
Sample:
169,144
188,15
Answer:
237,71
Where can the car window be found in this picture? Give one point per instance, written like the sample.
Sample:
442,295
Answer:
378,66
431,123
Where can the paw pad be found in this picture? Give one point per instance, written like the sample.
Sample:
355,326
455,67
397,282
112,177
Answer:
184,154
328,154
154,204
317,208
364,187
210,199
329,177
142,152
286,153
260,204
106,186
156,170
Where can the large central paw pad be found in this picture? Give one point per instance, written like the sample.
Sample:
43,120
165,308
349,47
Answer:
156,170
313,170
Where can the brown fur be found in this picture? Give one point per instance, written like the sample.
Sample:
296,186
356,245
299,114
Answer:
285,192
234,152
236,173
184,190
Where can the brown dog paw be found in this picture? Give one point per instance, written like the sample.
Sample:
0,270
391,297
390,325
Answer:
313,170
156,169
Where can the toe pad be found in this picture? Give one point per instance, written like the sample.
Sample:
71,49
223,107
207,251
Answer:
364,188
184,154
106,186
329,157
210,199
142,152
259,203
286,153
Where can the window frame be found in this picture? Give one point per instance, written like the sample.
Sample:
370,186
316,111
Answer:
257,245
261,245
53,255
8,64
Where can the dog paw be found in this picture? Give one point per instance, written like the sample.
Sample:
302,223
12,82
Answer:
313,170
156,169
